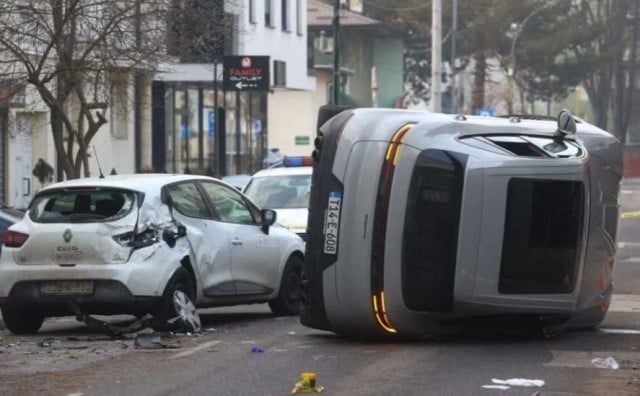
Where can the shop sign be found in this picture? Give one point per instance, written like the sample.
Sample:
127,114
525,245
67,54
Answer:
246,73
302,140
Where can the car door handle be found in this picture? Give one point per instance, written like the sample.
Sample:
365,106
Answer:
236,242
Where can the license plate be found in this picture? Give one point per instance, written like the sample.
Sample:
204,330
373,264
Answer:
62,288
68,257
332,223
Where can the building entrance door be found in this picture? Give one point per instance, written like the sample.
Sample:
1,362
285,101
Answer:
22,160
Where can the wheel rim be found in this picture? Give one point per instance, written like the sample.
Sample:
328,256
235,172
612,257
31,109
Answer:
292,286
186,310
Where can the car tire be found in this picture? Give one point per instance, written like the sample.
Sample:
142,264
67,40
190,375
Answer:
177,306
21,321
288,300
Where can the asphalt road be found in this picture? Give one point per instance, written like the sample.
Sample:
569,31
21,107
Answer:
246,351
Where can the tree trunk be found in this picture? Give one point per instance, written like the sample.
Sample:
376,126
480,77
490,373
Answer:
477,95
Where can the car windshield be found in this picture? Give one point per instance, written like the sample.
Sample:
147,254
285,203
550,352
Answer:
280,192
81,206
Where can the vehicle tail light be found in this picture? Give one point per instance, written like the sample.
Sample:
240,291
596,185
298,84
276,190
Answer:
143,239
14,239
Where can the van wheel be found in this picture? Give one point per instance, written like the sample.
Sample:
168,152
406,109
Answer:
288,300
20,320
177,307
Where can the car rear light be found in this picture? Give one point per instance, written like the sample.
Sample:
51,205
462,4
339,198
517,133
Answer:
143,239
14,239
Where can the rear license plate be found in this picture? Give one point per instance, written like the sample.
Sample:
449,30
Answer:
73,257
61,288
332,223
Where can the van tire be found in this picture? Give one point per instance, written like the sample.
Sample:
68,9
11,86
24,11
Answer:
20,320
178,303
288,300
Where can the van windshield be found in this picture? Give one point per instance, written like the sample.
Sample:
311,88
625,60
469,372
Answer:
81,206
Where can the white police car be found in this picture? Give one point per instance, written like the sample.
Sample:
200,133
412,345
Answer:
285,190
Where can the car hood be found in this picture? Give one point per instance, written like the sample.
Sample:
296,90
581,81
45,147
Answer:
293,219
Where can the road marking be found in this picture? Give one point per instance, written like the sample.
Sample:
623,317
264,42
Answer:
628,244
627,191
629,215
194,350
625,303
580,359
620,331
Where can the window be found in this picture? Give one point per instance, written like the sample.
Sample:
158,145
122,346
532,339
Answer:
299,18
229,204
542,236
252,12
431,232
279,73
280,192
186,199
269,18
81,206
285,15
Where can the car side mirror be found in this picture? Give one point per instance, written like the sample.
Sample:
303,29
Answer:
268,218
566,124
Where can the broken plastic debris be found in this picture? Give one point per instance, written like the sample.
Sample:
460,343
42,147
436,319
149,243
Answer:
257,350
291,333
519,382
608,363
307,384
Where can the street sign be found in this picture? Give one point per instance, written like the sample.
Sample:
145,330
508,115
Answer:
211,123
302,140
246,73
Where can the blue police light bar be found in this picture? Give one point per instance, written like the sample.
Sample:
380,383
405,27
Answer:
297,161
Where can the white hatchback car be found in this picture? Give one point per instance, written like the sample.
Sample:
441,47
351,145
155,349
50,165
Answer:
136,244
285,190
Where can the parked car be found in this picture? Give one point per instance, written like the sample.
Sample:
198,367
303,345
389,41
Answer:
8,216
136,244
285,190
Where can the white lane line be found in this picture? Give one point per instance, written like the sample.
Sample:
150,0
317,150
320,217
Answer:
582,359
625,303
627,191
194,350
628,244
619,331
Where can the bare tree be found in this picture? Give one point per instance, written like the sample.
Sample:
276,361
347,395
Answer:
71,51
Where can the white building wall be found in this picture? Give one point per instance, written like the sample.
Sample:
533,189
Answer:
295,113
290,46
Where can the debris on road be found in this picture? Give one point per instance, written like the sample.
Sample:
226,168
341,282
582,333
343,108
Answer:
608,363
307,384
508,383
257,350
48,342
152,341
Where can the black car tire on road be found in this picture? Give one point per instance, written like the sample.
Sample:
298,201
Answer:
177,302
21,320
288,300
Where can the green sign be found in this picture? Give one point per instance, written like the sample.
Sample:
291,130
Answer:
302,140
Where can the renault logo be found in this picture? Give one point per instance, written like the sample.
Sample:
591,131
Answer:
67,235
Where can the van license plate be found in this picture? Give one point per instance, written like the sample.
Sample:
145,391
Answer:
332,223
62,288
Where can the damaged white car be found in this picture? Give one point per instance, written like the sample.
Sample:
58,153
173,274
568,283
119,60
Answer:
137,244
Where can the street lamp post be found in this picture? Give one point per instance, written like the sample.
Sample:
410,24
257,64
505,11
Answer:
512,55
336,53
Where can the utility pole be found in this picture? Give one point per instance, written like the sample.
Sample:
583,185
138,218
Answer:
436,56
454,30
336,52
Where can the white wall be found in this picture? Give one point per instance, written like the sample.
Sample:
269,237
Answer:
288,46
295,113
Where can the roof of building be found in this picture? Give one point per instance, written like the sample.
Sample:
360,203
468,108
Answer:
321,14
